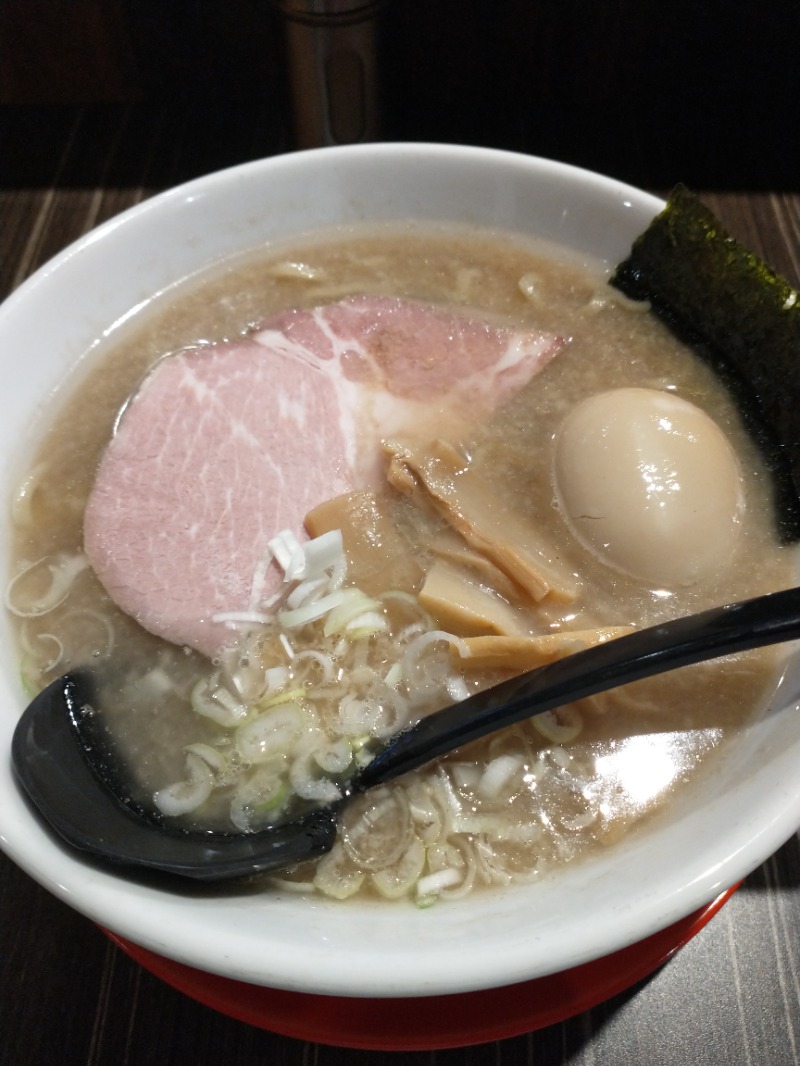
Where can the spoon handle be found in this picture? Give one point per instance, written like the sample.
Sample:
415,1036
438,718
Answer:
736,627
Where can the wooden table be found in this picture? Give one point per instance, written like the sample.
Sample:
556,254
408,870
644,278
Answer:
69,996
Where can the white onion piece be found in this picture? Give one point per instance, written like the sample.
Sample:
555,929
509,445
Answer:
406,602
63,569
186,796
306,592
324,552
422,643
270,734
498,774
275,677
363,756
335,757
159,681
312,559
307,785
320,659
579,821
560,726
258,582
310,612
286,695
35,650
336,876
286,549
394,676
432,884
497,827
457,688
367,623
398,880
425,814
286,644
376,829
466,775
237,619
450,801
379,715
212,700
489,864
468,880
213,758
260,798
414,629
352,604
74,623
560,757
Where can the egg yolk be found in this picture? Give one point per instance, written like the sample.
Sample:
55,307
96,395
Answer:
650,484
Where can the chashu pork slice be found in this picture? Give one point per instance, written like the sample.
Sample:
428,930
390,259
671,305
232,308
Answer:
220,448
418,369
225,445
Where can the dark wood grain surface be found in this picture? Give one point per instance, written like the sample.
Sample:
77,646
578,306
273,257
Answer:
67,995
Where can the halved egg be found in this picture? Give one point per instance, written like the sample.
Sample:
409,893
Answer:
650,484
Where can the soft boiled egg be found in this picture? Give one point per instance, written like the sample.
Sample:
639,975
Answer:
650,484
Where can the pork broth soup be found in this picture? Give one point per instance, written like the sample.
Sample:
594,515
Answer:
521,463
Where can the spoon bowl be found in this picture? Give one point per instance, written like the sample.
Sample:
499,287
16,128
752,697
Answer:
68,769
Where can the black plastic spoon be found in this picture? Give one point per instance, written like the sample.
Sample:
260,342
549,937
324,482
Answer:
67,771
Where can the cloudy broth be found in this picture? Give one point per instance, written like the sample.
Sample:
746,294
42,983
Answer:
557,790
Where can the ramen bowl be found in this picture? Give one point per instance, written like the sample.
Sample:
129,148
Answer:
712,834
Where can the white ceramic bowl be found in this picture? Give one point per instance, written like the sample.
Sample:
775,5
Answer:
720,830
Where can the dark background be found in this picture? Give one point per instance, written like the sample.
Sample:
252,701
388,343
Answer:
103,102
707,91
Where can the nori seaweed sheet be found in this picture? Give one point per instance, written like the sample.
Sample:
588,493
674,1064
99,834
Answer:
738,315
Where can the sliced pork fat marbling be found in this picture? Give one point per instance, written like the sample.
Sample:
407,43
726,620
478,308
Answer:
225,445
414,363
219,449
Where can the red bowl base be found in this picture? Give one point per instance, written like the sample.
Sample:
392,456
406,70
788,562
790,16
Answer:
428,1023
